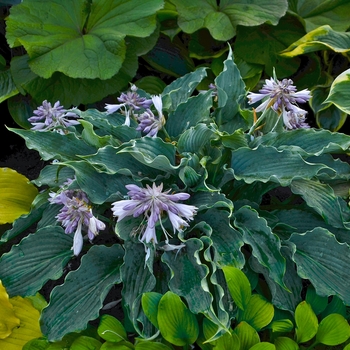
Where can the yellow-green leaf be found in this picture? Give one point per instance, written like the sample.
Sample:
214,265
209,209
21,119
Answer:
247,335
16,195
333,330
306,322
111,329
8,319
263,346
285,343
321,38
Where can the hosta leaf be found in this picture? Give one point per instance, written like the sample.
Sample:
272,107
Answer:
306,322
333,330
307,142
111,329
247,335
339,91
16,196
150,301
88,285
84,342
285,343
265,245
24,269
258,312
52,145
321,197
176,323
221,20
81,41
321,259
316,13
8,88
194,111
317,302
263,346
238,285
150,345
268,164
322,38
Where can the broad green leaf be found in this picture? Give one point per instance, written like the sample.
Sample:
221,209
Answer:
306,322
263,346
16,196
238,285
282,326
111,329
285,343
321,197
150,302
38,344
262,45
8,88
85,343
227,341
88,285
81,41
258,312
151,84
247,335
268,164
339,91
24,269
333,330
317,302
221,20
307,142
176,322
150,345
324,261
315,13
29,327
265,245
336,306
331,118
195,110
52,145
322,38
181,89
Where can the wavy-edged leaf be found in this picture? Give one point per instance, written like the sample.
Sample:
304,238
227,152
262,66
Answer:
306,322
25,269
266,246
321,38
83,40
320,258
176,322
269,164
16,196
88,285
339,91
221,20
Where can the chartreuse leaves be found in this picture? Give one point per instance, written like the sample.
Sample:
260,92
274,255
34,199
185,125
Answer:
16,196
306,322
339,91
81,41
222,20
176,322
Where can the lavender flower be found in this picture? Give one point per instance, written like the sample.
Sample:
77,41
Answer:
54,118
76,215
149,123
130,101
152,203
282,97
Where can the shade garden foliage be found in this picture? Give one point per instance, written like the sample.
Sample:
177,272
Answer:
195,158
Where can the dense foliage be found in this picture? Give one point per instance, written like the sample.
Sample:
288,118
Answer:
224,216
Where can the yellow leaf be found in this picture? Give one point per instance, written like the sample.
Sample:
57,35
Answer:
29,327
16,195
8,320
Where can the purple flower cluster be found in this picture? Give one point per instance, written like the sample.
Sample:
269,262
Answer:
152,203
76,215
131,105
56,118
282,97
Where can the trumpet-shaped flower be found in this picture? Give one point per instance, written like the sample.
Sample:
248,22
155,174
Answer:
76,215
130,102
148,122
282,97
152,203
54,118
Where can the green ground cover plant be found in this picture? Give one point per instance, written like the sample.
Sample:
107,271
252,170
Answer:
214,196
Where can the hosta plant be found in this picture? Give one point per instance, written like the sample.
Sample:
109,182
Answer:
165,193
